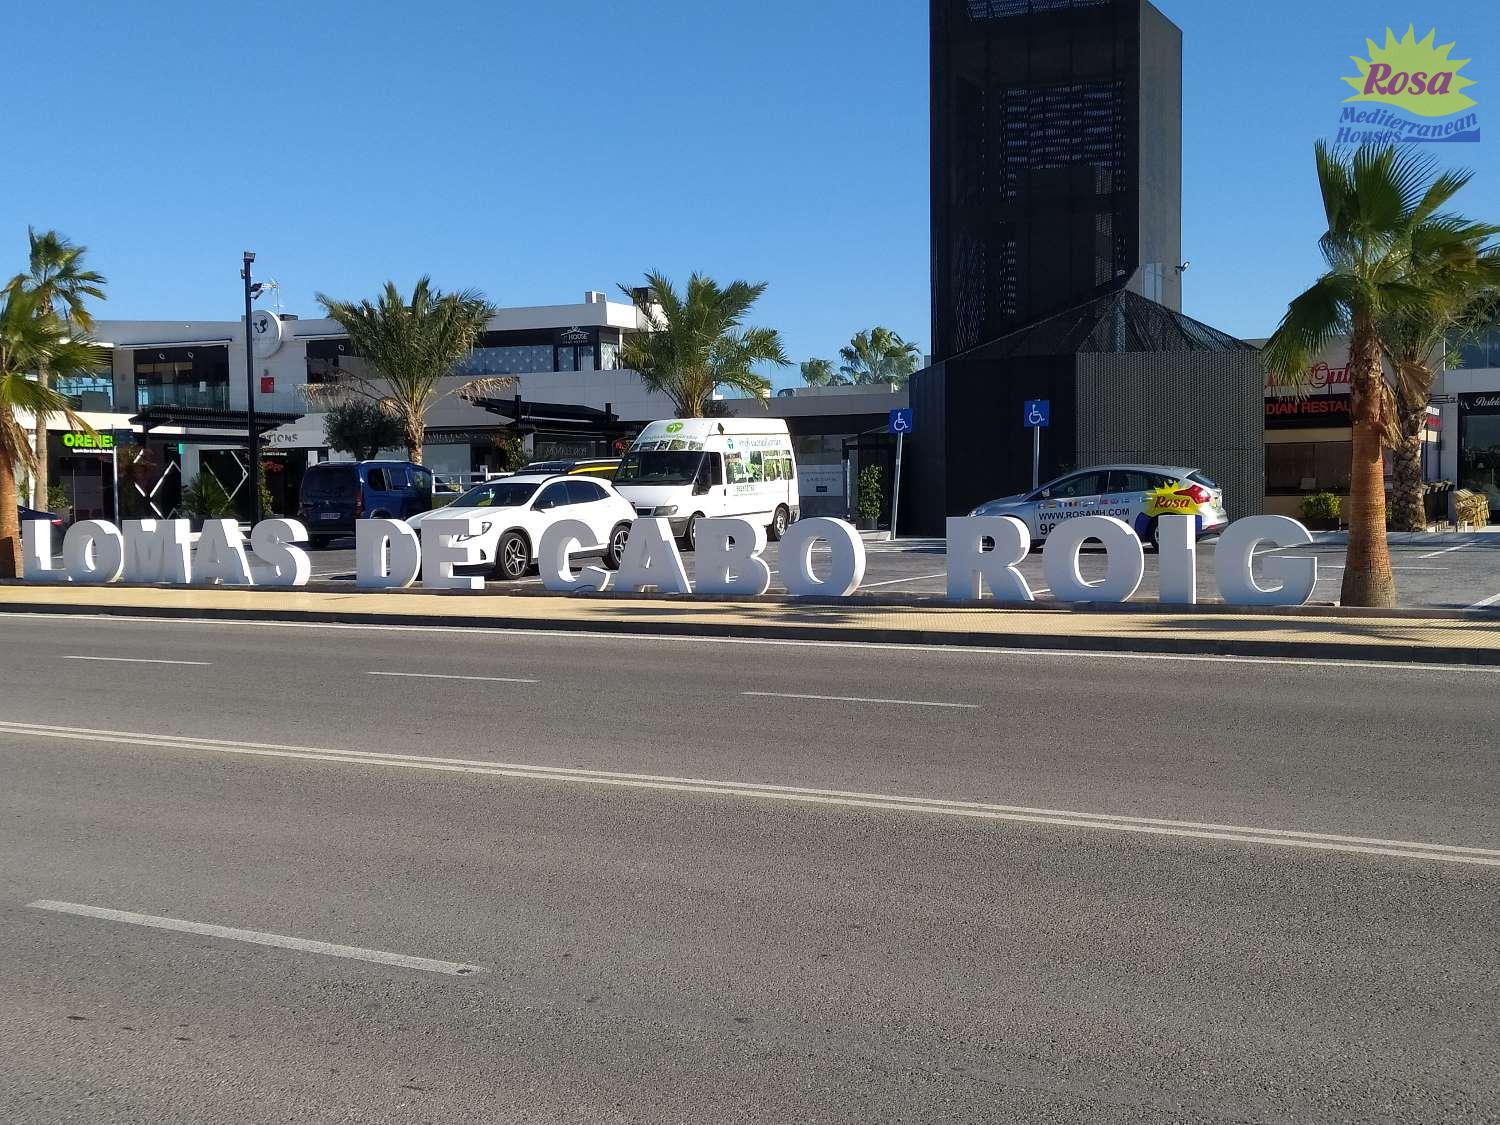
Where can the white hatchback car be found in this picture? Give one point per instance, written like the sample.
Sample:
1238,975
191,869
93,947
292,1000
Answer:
1137,494
514,512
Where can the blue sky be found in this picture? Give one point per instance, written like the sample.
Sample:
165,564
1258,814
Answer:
538,150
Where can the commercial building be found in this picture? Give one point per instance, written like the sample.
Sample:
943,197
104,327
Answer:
1468,397
1056,262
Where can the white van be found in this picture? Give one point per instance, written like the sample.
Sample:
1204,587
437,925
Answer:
689,468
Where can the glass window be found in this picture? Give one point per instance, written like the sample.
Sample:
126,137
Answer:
566,360
737,469
509,359
553,496
376,479
584,492
715,469
1129,480
1084,484
659,466
497,494
609,356
1303,466
421,479
330,482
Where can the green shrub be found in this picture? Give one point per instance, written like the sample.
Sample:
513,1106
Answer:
205,498
1321,506
870,492
57,500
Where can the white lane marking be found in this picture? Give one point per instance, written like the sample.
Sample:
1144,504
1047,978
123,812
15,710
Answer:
1318,841
867,646
138,660
1340,566
441,676
1444,551
257,937
896,581
858,699
1482,602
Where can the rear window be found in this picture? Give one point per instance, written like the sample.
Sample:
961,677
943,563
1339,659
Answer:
335,482
1202,478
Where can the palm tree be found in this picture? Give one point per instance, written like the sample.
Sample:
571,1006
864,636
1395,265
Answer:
1380,203
820,373
30,342
1466,301
55,273
404,349
694,342
878,355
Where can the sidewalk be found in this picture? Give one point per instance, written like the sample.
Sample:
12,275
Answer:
1312,633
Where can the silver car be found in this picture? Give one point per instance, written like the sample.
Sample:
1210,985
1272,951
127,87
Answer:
1137,494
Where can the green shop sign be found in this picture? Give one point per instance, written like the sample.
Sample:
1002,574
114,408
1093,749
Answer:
98,443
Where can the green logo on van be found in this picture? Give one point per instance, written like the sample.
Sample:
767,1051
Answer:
673,427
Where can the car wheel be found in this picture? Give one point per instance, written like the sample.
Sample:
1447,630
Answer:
778,524
512,556
320,542
614,550
1155,537
690,533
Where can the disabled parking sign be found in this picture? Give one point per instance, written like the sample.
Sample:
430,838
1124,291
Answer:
1036,413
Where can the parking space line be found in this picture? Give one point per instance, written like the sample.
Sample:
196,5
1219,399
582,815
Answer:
139,660
256,937
895,581
1444,551
859,699
444,676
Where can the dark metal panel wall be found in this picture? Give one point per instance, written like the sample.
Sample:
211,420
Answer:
1202,409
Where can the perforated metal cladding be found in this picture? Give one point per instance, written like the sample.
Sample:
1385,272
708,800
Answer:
1202,409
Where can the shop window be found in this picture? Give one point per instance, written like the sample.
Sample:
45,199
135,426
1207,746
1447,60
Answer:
1308,466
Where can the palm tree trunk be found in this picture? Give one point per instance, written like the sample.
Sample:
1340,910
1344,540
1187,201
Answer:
10,522
1367,565
40,485
415,437
1408,511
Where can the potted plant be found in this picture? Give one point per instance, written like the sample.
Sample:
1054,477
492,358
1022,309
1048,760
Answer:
1321,510
870,498
204,498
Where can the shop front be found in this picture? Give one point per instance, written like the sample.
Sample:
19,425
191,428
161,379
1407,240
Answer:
1479,445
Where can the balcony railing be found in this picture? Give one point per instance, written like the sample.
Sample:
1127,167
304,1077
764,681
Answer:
214,396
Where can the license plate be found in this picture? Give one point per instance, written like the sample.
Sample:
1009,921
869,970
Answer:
329,516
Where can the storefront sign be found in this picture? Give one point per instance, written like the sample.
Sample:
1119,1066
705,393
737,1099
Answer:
983,551
1325,410
1479,402
575,336
81,442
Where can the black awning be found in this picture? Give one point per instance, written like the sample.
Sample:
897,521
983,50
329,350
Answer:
207,417
557,417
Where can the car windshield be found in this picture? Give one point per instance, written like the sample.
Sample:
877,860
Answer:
497,494
658,466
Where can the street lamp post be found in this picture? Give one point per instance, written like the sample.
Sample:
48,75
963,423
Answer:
255,512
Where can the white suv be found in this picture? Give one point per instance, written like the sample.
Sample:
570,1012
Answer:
514,512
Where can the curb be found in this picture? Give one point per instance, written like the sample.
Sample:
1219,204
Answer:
1440,655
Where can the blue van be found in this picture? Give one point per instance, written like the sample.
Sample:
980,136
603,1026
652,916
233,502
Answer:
336,493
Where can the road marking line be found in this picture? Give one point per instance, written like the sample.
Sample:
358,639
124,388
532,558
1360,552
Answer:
1318,841
257,937
895,581
867,646
858,699
1444,551
1482,602
138,660
441,676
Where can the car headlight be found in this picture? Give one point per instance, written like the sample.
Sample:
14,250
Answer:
484,529
664,510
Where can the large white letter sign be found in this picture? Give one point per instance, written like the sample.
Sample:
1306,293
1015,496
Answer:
728,558
1236,549
221,554
387,555
846,569
273,542
158,551
93,551
651,560
1177,559
1124,554
36,552
554,563
442,551
969,562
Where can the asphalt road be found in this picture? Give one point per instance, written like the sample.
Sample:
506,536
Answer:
1445,576
713,881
